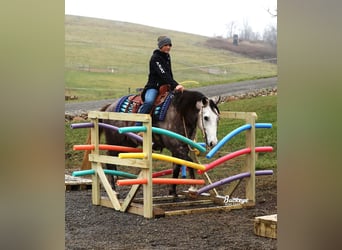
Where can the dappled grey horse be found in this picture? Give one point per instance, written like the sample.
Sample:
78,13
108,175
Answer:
186,111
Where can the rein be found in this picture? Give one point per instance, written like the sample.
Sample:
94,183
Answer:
204,134
186,134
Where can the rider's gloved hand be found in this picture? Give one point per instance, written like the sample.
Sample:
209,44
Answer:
179,88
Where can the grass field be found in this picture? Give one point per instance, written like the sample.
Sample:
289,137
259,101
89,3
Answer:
265,108
107,59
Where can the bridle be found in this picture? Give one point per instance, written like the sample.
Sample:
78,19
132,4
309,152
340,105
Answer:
201,127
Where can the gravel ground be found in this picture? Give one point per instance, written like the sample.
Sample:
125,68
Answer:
95,227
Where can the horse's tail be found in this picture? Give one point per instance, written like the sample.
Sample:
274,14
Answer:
86,164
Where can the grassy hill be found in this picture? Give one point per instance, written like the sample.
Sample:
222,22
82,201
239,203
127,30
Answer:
107,59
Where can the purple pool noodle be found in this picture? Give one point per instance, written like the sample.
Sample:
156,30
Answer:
104,125
82,125
232,178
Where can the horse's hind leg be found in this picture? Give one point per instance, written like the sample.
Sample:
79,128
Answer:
111,178
175,174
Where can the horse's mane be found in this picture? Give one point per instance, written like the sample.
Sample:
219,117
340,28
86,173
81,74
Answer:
185,102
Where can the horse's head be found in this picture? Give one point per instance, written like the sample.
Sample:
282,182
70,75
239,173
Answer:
208,119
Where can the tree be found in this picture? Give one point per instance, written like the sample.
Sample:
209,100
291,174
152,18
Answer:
231,26
246,31
270,35
273,13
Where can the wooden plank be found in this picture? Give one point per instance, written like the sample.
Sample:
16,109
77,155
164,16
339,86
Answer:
74,180
184,203
110,192
266,226
202,210
76,183
234,115
160,198
134,208
130,196
119,116
139,163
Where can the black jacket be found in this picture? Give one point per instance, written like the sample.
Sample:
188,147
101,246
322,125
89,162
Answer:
160,71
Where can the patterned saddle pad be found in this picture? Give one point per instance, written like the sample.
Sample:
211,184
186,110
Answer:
132,103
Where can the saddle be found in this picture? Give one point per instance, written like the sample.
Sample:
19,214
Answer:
132,103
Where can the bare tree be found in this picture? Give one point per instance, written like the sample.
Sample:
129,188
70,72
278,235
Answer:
231,26
273,13
270,32
246,31
270,35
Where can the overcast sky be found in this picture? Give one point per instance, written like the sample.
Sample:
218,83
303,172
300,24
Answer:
202,17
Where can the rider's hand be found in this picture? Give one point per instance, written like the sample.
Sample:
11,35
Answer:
179,88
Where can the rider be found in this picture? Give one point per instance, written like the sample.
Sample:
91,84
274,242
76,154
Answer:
160,74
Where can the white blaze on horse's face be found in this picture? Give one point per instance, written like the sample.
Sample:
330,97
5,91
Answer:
208,122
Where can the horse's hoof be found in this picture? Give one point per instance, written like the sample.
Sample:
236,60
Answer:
192,189
173,193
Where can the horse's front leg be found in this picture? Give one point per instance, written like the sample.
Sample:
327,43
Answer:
175,174
192,188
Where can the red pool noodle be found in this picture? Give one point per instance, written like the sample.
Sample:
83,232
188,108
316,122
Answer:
231,156
162,173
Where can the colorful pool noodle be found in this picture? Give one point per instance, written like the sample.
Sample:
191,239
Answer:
232,155
179,137
129,130
104,125
164,158
161,181
183,171
162,173
168,133
120,173
234,133
232,178
106,171
82,125
107,147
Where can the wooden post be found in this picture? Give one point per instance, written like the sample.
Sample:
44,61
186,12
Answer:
250,159
96,196
147,172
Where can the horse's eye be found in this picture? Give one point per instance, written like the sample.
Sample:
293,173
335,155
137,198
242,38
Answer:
206,118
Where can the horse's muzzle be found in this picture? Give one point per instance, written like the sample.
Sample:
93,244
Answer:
212,143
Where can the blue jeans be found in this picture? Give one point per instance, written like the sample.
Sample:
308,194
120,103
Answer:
150,97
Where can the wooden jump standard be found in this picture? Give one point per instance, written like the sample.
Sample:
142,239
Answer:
143,160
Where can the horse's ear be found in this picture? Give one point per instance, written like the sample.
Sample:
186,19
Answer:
216,99
202,103
205,101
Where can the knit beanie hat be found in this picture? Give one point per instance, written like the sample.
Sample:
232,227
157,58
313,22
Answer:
163,40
